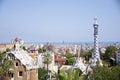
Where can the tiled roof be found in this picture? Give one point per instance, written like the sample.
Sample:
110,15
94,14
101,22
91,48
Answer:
24,58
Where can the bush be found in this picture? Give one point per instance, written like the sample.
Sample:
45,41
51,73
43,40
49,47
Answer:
42,73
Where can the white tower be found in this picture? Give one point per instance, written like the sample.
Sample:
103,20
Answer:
96,55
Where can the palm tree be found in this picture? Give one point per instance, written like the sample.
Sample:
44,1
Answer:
69,75
47,60
4,65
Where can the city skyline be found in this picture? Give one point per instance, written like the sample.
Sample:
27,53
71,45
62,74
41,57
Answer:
57,21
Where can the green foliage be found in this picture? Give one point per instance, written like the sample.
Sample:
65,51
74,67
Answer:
41,50
47,60
41,73
2,55
110,50
90,52
69,55
82,55
4,65
84,77
100,73
7,64
69,59
87,55
11,71
69,75
115,73
57,76
44,50
7,50
2,71
24,48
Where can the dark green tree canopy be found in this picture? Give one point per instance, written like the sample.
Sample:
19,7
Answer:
41,73
100,73
110,52
42,50
116,73
69,59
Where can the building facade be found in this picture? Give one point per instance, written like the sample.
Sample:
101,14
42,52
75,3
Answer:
118,56
24,66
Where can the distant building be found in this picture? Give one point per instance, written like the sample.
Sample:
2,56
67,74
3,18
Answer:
118,56
41,64
25,67
59,60
34,48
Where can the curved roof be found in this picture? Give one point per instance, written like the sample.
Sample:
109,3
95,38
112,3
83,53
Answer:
25,59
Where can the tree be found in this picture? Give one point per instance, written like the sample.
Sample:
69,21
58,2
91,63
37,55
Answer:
82,55
41,50
47,60
69,59
110,51
2,55
7,50
24,48
69,55
90,52
115,73
69,74
42,73
4,65
87,55
100,73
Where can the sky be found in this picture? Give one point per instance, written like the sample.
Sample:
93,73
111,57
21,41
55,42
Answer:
59,20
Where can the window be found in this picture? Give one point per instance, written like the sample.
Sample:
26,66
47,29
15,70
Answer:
16,63
20,73
11,56
11,75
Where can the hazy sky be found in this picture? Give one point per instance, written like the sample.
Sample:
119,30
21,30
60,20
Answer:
59,20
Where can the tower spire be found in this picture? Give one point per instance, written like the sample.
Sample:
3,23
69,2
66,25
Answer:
95,20
96,56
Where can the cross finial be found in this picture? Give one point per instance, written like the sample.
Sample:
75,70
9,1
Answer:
95,19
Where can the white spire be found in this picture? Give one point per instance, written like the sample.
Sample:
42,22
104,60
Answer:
95,20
